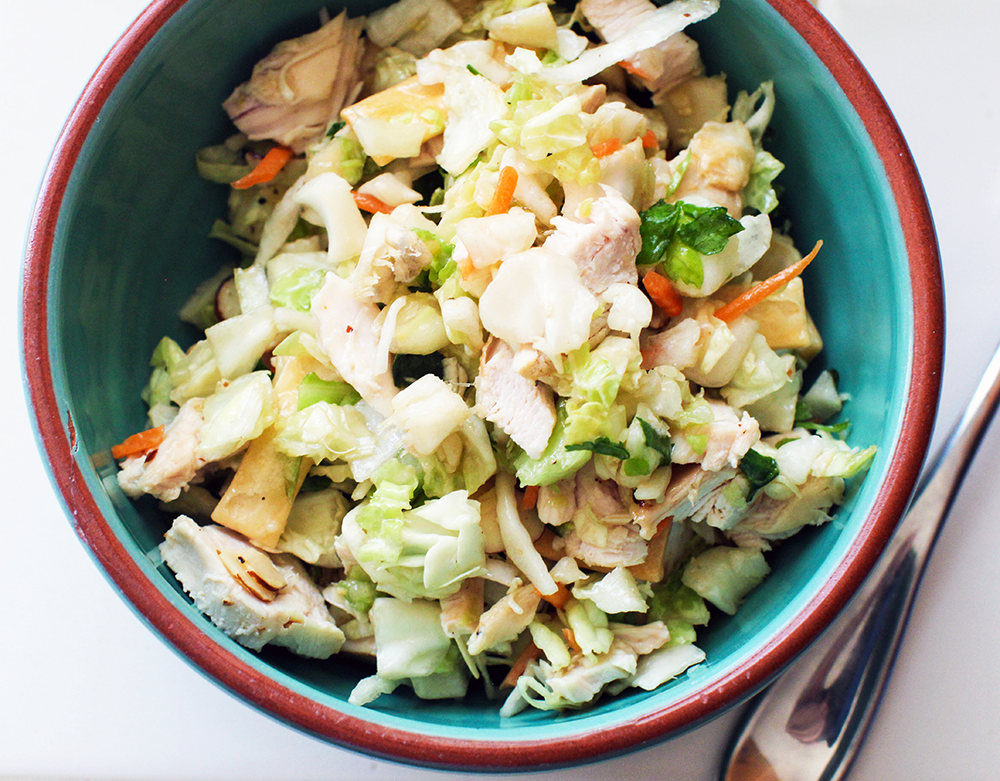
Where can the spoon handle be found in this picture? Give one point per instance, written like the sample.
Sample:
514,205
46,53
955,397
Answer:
809,724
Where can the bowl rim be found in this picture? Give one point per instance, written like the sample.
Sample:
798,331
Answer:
56,435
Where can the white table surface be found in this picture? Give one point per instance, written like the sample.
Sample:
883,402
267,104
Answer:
87,691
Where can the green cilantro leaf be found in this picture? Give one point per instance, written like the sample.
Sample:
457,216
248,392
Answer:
759,470
656,440
709,228
603,446
657,226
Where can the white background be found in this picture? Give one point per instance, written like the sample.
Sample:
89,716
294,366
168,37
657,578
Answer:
86,691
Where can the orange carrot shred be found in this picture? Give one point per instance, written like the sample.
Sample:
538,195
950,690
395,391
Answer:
369,203
530,498
268,168
143,442
605,148
503,196
650,141
526,657
559,599
571,639
635,70
663,294
745,302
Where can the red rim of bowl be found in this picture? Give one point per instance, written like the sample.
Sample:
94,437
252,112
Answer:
401,745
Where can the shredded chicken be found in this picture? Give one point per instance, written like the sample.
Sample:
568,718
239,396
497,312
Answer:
505,620
660,68
721,156
773,519
300,87
346,330
603,534
175,463
729,437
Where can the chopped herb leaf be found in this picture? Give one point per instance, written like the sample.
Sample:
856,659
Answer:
759,470
656,440
804,419
473,70
407,369
709,228
335,128
603,446
785,441
835,428
656,228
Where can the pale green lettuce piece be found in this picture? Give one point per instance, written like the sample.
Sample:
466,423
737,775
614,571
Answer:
239,342
596,378
724,575
313,525
236,414
195,375
425,552
556,462
324,431
615,592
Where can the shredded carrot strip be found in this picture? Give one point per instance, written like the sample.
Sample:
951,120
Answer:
605,148
559,599
634,69
650,141
268,168
503,196
369,203
526,657
530,498
663,294
143,442
743,303
571,639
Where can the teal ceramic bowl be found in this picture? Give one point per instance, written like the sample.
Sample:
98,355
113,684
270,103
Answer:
119,240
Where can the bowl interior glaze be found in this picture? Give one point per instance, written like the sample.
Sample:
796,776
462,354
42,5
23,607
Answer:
120,241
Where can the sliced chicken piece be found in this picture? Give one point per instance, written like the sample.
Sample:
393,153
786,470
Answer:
391,253
729,437
603,534
691,488
347,333
586,677
557,502
300,87
660,68
524,409
253,597
642,639
505,620
460,612
175,463
721,156
604,247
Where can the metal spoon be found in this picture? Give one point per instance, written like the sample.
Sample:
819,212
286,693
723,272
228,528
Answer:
810,723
